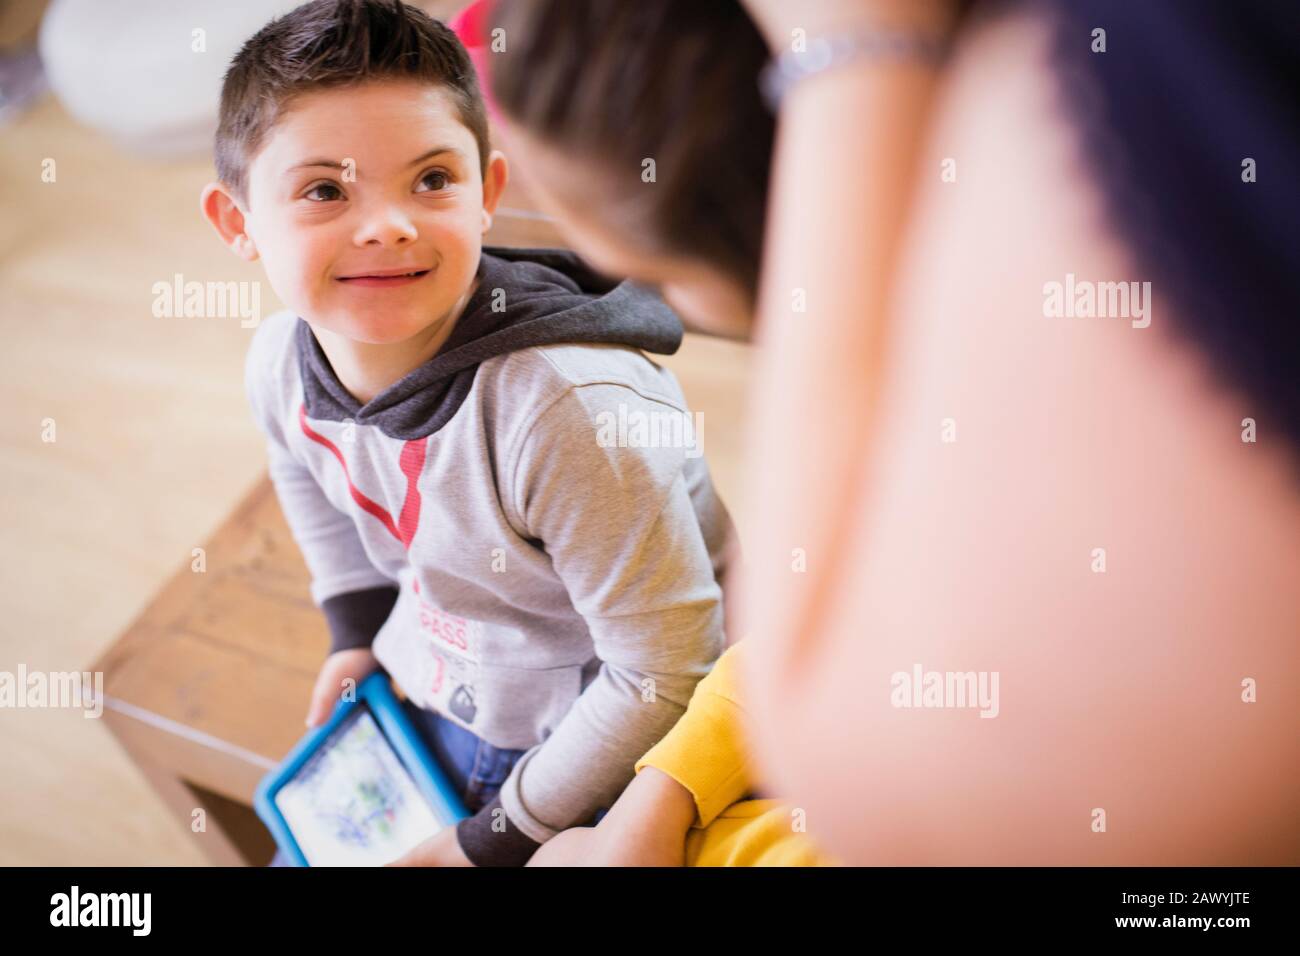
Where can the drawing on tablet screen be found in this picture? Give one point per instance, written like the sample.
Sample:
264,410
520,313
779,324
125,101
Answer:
353,802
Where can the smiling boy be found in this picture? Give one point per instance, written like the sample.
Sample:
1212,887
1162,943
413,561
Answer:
547,600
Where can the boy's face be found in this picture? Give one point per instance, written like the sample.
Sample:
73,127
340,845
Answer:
356,187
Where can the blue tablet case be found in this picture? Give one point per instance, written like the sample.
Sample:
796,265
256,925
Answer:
375,693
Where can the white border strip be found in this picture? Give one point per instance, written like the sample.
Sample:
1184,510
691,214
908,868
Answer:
189,733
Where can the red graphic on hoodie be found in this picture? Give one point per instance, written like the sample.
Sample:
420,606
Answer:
411,463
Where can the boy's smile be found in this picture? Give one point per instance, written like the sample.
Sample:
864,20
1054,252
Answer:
384,279
367,206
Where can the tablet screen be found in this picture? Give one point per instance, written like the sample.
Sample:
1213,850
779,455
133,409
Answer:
353,803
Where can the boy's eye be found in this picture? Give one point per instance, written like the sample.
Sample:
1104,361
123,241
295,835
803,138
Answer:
331,192
434,180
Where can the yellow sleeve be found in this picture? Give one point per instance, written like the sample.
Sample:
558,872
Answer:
705,751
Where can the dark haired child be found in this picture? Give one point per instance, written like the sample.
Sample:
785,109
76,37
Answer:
565,105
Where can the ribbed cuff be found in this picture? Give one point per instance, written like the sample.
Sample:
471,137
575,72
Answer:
506,845
355,617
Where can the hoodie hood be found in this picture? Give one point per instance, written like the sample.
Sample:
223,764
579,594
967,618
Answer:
546,297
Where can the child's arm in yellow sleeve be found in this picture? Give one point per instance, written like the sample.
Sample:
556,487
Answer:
705,750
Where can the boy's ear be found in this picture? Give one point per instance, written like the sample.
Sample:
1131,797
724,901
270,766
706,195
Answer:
494,184
221,209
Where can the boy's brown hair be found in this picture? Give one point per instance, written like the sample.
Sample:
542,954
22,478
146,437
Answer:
675,81
330,44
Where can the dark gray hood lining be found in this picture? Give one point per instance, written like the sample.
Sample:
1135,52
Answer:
551,296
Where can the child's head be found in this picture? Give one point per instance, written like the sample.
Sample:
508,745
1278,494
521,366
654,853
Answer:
593,89
353,148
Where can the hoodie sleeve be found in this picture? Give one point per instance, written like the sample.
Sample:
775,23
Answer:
622,532
354,596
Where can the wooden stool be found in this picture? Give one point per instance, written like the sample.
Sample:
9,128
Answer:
208,688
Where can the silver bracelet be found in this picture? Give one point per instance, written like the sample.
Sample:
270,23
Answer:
828,52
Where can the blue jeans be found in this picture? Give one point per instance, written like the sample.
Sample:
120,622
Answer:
475,768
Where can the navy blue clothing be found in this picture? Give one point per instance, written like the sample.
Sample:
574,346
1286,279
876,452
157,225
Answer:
1186,91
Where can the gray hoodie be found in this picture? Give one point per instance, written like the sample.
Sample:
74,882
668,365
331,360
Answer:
523,526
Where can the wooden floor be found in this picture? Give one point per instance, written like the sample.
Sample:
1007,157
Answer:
154,446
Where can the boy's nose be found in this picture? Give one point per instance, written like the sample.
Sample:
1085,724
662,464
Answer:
386,226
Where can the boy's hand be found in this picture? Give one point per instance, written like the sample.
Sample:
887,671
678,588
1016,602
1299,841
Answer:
576,846
646,826
441,849
338,667
603,845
